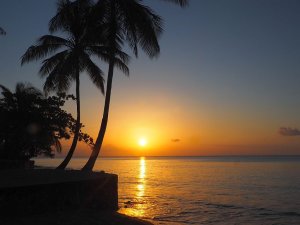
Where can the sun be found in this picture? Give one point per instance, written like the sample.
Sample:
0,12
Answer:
143,142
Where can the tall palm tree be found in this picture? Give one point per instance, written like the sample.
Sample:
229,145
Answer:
136,24
74,55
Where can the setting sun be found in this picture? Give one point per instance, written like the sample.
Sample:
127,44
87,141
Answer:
143,142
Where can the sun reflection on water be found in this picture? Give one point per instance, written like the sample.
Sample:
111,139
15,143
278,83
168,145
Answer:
141,185
142,168
136,207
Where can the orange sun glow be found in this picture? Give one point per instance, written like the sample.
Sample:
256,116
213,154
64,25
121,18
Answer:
142,142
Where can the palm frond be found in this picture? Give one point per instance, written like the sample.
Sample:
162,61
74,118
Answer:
27,89
121,66
59,20
61,76
57,82
54,40
36,52
94,72
8,96
49,64
5,89
70,16
98,50
142,26
123,56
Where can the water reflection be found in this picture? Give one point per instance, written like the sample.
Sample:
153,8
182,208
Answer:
142,175
136,207
142,167
141,189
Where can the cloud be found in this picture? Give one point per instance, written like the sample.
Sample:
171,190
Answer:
287,131
175,140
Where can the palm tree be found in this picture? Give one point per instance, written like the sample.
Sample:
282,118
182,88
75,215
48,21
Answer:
2,31
74,55
134,23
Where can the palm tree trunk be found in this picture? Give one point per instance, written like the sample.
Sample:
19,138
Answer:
97,147
67,159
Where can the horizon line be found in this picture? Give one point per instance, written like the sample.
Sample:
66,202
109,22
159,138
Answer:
177,156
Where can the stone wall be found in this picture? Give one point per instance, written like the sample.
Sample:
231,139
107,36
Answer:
16,164
99,191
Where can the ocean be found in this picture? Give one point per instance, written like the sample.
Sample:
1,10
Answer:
205,190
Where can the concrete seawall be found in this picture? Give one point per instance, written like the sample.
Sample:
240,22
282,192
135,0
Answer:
25,192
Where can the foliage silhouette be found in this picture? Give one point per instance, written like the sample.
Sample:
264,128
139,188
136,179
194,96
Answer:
32,124
2,31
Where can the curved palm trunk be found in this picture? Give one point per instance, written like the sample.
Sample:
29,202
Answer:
97,147
67,159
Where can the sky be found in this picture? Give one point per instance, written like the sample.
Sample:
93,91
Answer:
226,81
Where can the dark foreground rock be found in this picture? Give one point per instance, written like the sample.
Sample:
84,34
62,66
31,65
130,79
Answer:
33,192
79,217
16,164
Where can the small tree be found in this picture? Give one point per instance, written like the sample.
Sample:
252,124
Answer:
32,124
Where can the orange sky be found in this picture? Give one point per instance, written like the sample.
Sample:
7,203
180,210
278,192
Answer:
226,80
172,127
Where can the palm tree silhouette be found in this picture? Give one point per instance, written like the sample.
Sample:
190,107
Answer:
23,98
73,58
131,22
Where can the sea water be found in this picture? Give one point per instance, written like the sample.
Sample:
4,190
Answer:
205,190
